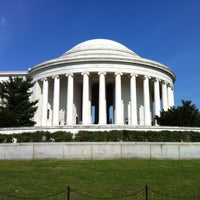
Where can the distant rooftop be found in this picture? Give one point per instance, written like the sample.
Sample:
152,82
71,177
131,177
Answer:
13,73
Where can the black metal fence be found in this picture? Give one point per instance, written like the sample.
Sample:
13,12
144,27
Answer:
146,193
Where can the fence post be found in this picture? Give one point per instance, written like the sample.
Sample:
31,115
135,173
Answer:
147,192
68,193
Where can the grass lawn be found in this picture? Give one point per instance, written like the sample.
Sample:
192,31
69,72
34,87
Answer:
100,179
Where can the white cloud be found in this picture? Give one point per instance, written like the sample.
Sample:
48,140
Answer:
5,35
2,22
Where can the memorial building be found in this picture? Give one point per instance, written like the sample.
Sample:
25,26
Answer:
99,82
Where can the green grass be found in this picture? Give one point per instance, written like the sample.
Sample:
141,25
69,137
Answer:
101,179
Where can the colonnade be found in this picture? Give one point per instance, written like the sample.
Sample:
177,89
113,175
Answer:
161,91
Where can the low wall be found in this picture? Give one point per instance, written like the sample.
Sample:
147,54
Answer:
95,127
99,150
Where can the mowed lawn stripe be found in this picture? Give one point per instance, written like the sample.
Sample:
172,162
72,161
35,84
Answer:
99,179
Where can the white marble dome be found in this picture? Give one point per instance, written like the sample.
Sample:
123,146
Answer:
101,82
99,48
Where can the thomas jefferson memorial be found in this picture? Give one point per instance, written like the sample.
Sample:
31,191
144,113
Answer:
100,82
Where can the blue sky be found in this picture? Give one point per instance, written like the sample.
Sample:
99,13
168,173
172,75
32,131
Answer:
167,31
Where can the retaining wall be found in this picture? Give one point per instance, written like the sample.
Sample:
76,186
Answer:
99,150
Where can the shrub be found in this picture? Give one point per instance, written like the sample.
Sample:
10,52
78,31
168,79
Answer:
61,136
99,136
84,136
5,138
133,136
38,136
104,136
194,137
115,136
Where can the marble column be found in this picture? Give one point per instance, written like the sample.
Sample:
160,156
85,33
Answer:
133,98
169,95
118,99
157,97
36,95
85,101
147,117
70,99
45,88
102,98
56,100
164,96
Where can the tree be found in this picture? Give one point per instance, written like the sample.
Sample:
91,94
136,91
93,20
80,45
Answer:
16,109
185,115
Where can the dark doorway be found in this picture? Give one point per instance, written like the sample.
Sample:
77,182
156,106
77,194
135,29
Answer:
109,99
95,103
109,103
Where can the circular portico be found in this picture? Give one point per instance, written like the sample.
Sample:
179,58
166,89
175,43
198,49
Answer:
101,82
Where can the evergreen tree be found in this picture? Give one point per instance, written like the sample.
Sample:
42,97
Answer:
16,109
185,115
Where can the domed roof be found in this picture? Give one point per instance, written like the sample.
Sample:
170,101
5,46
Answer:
101,52
101,48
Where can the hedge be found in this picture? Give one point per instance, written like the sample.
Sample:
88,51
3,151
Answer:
103,136
134,136
38,136
99,136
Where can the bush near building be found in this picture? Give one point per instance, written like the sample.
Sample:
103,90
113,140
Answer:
138,136
104,136
185,115
38,136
